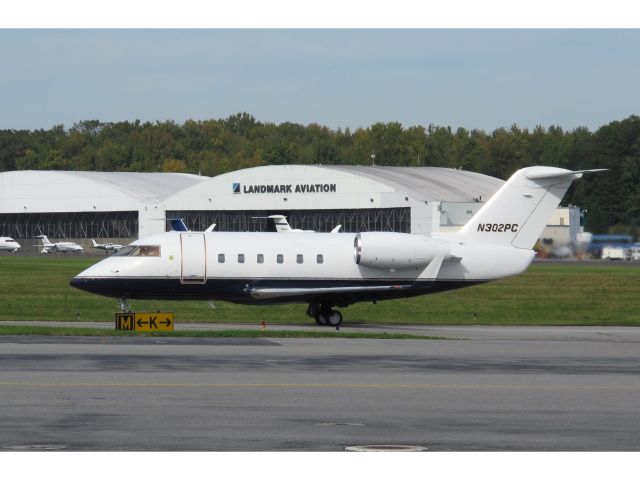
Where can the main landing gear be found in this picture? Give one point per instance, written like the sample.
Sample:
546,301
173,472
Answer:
324,315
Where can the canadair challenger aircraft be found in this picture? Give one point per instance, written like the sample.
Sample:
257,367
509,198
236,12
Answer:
325,270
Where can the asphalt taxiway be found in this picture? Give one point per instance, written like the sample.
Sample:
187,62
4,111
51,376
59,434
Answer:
487,388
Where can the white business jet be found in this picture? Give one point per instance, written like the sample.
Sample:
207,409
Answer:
63,247
8,244
106,246
282,225
325,270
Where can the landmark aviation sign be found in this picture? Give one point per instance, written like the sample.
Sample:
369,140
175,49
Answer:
290,188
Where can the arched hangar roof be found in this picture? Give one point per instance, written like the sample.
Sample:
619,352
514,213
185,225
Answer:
55,191
355,185
429,183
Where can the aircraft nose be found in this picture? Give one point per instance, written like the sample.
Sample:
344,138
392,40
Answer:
80,283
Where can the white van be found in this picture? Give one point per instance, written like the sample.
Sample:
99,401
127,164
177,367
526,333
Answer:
616,253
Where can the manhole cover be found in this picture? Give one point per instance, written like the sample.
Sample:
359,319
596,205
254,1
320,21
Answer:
386,448
35,447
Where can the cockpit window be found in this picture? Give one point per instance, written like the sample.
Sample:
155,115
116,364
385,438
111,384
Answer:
125,251
146,251
139,251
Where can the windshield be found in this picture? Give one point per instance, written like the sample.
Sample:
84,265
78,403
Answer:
125,251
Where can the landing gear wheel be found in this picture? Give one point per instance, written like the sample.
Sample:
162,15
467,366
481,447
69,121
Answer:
321,319
124,305
334,318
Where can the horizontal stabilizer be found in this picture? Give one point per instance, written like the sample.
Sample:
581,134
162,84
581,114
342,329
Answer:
559,173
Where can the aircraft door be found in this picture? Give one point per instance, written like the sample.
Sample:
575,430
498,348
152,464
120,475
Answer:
194,258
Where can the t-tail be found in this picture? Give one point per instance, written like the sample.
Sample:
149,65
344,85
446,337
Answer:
45,240
178,225
517,213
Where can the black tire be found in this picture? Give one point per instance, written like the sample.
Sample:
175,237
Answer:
334,318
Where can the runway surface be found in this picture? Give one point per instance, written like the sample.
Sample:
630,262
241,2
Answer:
526,388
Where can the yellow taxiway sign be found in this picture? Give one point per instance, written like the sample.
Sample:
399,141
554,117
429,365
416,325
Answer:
145,321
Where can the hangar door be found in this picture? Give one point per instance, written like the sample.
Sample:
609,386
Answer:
194,258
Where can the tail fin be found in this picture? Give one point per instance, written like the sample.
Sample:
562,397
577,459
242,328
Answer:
94,242
45,240
519,211
281,224
178,225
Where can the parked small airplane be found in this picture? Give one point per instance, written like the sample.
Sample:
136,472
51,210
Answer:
9,244
325,270
64,247
107,246
282,225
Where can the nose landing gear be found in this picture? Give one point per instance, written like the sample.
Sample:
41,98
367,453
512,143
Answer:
124,305
324,315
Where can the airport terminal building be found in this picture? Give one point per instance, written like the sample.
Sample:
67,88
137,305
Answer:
124,206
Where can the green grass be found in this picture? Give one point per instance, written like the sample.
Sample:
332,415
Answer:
101,332
37,288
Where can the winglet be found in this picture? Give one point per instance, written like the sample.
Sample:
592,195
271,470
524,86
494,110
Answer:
431,272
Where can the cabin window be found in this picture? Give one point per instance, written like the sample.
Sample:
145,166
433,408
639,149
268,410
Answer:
260,258
320,258
140,251
221,258
241,258
280,258
299,258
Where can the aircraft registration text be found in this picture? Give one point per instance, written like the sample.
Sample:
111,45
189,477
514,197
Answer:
497,227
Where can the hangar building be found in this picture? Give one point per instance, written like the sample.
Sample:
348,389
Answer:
85,205
123,206
318,197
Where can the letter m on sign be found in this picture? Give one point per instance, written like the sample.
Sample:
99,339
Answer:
124,321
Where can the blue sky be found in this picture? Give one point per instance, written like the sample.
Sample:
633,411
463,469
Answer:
340,78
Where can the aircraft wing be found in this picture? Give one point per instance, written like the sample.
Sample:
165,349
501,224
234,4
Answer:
266,293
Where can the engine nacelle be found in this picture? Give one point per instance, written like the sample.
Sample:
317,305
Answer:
390,250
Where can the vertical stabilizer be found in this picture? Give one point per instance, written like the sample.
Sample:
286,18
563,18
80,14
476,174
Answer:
45,240
519,211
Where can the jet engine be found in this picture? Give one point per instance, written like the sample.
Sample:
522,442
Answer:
390,250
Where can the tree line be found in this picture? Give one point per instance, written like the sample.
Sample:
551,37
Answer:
212,147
